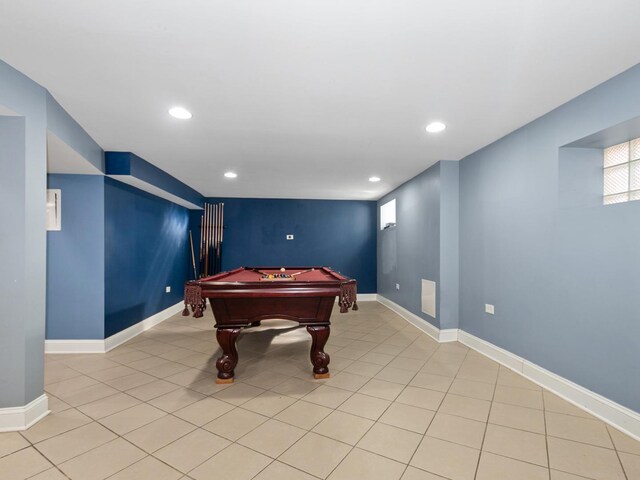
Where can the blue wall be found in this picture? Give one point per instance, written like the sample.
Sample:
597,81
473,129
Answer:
62,125
410,251
335,233
23,161
449,289
75,260
146,249
536,241
524,221
127,163
13,253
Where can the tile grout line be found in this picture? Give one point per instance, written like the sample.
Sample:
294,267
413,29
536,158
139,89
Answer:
546,436
486,427
295,399
430,421
352,447
624,471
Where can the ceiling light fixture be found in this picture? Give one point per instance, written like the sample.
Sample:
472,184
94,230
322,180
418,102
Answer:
230,174
181,113
435,127
374,179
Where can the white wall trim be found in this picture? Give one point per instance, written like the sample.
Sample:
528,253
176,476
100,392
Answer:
103,346
134,330
367,297
20,418
616,415
610,412
74,346
449,335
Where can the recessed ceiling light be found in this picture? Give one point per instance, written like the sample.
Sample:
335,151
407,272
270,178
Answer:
435,127
181,113
374,179
231,175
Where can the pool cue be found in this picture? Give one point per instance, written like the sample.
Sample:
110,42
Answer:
193,256
214,214
212,226
214,267
215,246
214,235
200,249
257,270
215,241
304,271
221,231
206,242
209,252
205,233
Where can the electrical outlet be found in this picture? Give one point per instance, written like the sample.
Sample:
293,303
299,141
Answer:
167,289
397,286
488,308
289,237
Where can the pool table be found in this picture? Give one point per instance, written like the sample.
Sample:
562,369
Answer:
245,296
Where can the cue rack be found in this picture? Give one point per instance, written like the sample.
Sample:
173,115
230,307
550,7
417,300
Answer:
211,235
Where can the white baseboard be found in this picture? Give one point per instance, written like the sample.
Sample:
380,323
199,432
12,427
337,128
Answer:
364,297
134,330
74,346
614,414
367,297
103,346
449,335
20,418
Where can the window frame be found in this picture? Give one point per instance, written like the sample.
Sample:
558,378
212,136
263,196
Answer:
630,194
385,218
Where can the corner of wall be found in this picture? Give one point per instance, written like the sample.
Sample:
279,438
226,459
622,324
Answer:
449,245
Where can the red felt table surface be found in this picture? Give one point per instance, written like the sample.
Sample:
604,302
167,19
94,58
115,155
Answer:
250,275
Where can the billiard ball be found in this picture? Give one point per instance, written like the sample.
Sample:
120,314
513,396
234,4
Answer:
282,269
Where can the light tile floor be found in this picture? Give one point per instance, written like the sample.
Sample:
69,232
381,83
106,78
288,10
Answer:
397,406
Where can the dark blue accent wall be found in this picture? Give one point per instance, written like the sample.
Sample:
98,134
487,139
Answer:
340,234
146,249
127,163
75,260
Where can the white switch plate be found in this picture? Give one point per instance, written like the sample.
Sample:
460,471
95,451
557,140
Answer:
397,286
289,237
167,289
54,210
488,308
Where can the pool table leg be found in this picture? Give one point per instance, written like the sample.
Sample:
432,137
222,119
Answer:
229,359
319,358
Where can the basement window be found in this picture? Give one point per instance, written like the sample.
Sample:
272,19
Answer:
622,172
388,215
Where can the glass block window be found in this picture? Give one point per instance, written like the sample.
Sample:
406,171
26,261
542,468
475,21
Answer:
388,214
622,172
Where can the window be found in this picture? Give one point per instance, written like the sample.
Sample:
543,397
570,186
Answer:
388,214
622,172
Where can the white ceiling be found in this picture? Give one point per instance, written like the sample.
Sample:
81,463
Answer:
307,99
